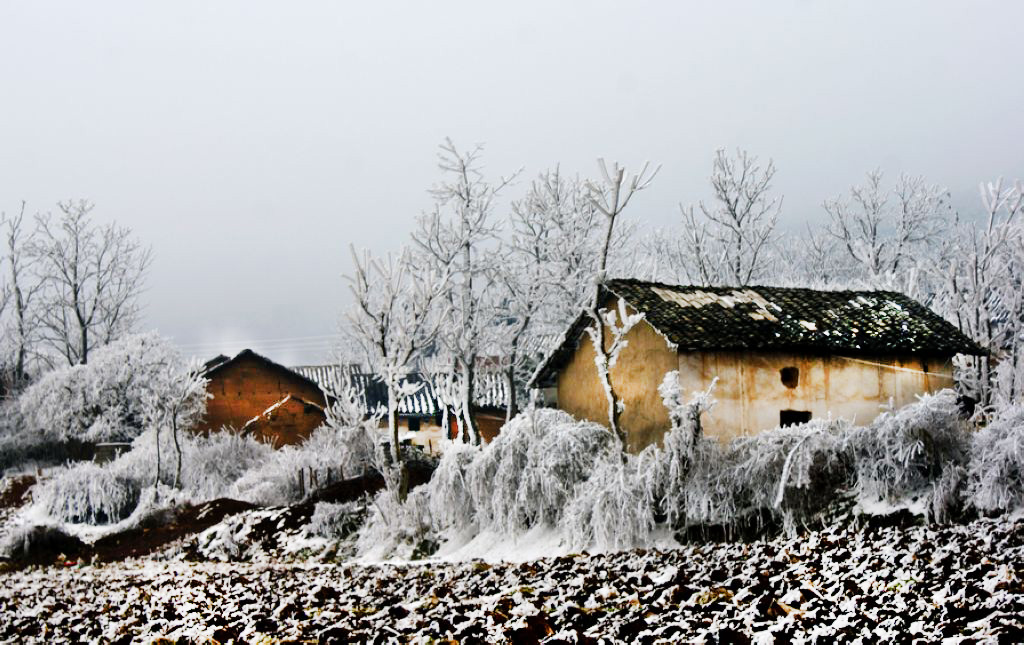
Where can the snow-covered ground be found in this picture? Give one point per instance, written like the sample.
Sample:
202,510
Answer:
956,583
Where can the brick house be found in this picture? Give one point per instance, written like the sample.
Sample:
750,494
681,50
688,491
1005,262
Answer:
781,356
255,395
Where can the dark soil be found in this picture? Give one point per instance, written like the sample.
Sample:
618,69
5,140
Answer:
16,493
162,530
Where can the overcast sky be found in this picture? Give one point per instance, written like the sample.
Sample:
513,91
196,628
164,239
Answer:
251,142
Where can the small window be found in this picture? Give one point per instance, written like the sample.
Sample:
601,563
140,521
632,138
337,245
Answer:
414,424
790,376
793,417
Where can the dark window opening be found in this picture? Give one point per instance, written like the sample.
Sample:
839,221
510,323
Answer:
790,376
414,424
793,417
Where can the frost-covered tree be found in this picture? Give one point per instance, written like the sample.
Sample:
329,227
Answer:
884,231
131,384
729,240
982,286
93,275
18,298
557,227
392,322
610,196
173,399
544,275
458,238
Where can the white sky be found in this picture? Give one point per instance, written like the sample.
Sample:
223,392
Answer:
251,142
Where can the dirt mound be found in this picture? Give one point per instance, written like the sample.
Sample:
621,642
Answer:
43,545
15,494
352,490
164,528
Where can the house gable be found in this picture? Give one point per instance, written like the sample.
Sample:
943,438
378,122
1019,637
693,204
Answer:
637,373
246,385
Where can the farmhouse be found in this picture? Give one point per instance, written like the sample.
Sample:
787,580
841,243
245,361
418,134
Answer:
420,414
781,356
253,394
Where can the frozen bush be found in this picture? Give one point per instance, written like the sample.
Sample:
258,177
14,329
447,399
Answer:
450,501
213,463
396,527
611,509
666,468
328,453
90,494
336,521
789,473
530,471
996,469
902,454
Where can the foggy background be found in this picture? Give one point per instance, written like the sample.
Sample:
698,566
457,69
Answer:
251,142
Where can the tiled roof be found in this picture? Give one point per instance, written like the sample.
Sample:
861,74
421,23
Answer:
490,390
810,321
215,365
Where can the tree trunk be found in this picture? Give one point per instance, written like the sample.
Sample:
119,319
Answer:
83,348
469,427
511,407
393,423
177,450
403,475
156,484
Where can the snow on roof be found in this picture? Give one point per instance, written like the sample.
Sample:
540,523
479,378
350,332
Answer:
490,391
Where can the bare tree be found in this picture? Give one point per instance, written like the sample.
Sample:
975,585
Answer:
458,238
392,323
93,275
729,240
610,196
883,230
20,289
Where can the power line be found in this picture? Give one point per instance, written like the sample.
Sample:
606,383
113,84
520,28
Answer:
322,338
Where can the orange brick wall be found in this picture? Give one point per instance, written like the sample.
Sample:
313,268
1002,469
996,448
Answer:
290,423
246,388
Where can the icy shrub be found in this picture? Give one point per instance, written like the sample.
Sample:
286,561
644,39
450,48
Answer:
666,469
903,454
396,527
90,494
127,385
337,521
611,509
212,464
996,469
328,453
790,473
531,470
450,500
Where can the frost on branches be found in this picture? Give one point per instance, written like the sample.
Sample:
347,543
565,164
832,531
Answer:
127,386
